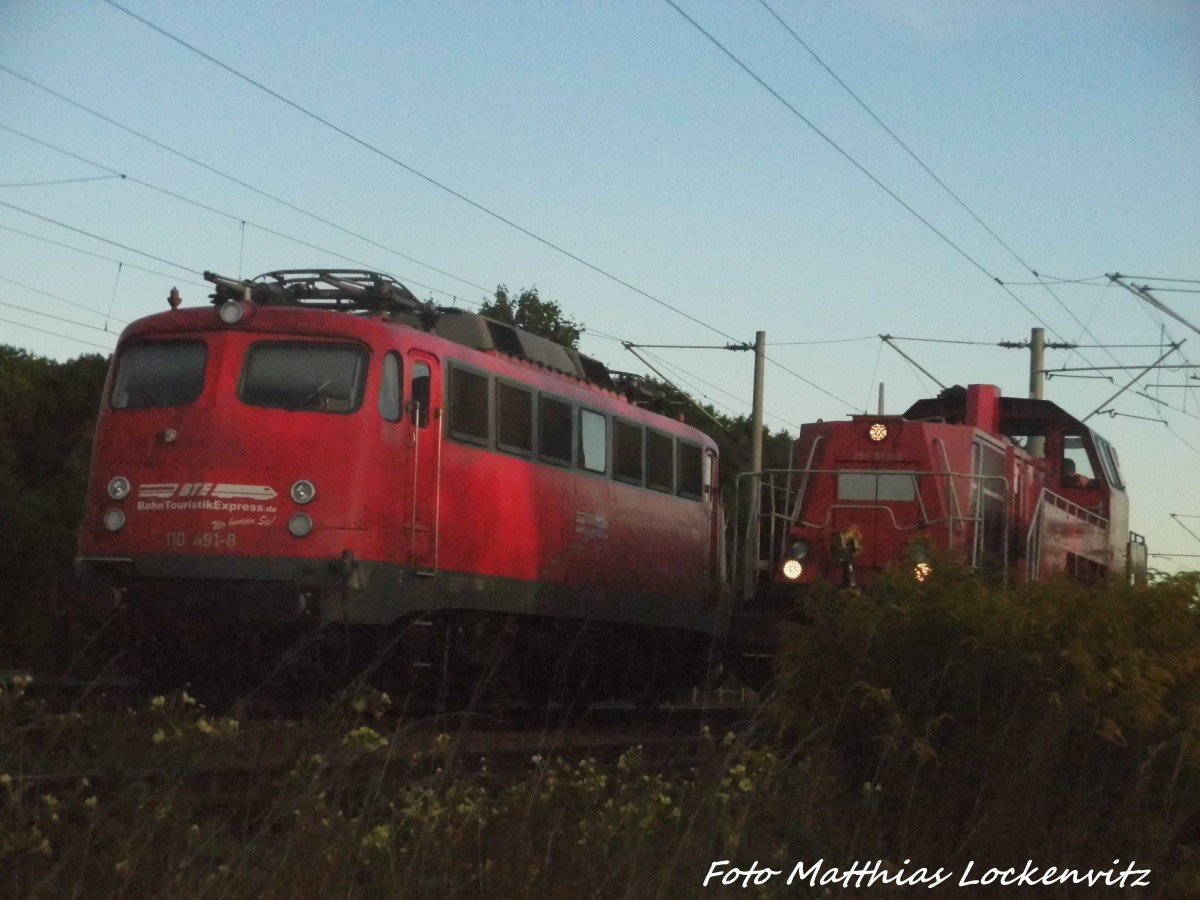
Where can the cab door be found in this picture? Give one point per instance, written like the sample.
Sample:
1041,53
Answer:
423,421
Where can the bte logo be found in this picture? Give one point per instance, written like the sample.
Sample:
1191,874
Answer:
218,491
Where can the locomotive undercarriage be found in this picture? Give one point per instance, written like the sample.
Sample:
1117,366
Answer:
230,639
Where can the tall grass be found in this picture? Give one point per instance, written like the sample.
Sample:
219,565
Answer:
916,726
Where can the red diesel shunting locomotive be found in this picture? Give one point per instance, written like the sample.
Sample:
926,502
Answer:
1009,484
322,463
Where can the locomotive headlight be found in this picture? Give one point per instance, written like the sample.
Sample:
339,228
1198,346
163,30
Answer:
877,432
300,525
793,560
303,491
118,488
918,558
231,312
114,519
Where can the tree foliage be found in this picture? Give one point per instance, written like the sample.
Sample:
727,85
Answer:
529,311
47,420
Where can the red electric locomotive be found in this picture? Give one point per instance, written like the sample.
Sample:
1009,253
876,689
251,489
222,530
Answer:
320,468
1007,483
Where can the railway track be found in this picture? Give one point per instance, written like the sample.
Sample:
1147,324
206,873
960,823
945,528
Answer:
69,682
233,773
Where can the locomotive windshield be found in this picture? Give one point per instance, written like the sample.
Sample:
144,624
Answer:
304,376
875,486
165,373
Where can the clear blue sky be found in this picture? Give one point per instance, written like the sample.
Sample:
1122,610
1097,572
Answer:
618,132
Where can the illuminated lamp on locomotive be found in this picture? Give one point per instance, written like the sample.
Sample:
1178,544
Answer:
1008,484
323,468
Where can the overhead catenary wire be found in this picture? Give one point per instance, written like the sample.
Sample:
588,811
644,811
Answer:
366,145
57,334
920,162
126,263
692,381
848,157
15,184
46,315
441,186
682,393
887,339
242,222
225,175
594,333
697,378
1041,281
44,293
96,237
1161,278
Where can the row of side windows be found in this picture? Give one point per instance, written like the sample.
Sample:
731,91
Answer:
509,417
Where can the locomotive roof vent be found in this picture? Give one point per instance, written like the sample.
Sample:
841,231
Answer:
505,338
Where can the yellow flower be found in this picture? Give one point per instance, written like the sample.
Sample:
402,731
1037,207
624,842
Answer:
90,802
160,736
158,702
378,837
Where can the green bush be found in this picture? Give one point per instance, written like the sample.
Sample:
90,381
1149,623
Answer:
964,720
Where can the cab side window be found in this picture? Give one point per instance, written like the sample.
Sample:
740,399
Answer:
420,393
390,400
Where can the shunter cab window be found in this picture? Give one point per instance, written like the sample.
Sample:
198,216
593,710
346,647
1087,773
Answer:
165,373
1077,465
304,376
